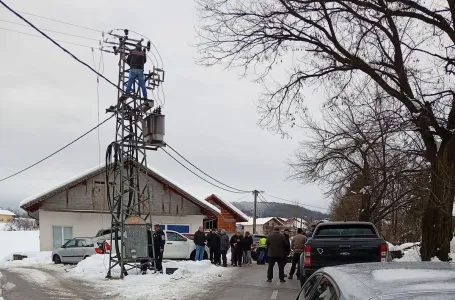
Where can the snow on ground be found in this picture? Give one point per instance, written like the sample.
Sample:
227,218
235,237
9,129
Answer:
34,259
191,278
413,253
18,241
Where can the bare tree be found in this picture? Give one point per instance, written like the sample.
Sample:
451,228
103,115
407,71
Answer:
358,155
22,224
406,47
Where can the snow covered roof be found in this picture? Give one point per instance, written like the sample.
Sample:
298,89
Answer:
229,205
27,203
259,221
5,212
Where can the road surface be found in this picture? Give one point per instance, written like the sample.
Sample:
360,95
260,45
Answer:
43,284
250,283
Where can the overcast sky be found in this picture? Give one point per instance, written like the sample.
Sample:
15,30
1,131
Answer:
47,99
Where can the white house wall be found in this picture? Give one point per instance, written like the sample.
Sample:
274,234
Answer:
87,224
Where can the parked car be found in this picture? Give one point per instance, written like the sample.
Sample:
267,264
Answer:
75,250
338,243
382,281
189,235
177,245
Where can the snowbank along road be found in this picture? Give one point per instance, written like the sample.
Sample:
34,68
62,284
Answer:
43,284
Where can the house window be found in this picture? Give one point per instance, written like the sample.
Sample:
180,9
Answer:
60,235
210,224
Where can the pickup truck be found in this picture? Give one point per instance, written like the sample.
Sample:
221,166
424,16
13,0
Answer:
339,243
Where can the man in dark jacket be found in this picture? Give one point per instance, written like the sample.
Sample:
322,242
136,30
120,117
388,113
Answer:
215,247
247,241
224,246
238,251
287,249
199,241
159,240
276,245
210,237
136,60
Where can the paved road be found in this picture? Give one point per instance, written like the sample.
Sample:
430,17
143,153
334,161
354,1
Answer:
41,284
250,283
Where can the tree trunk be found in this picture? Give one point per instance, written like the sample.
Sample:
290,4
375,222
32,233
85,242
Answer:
437,217
365,206
365,214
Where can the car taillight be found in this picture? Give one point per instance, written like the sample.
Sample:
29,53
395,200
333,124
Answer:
107,246
383,252
308,255
99,250
254,245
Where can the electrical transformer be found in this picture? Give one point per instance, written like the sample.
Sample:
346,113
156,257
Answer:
153,129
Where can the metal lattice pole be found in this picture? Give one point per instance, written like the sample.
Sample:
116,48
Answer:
130,184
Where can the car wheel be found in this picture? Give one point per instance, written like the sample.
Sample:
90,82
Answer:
85,257
193,255
56,259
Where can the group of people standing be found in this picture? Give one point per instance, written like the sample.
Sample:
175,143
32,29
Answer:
275,249
217,242
241,249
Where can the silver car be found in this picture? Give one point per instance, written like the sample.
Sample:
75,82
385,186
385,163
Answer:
382,281
75,250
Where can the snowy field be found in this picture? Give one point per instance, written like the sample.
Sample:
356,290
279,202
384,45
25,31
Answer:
18,241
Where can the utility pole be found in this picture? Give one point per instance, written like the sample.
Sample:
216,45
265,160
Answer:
255,193
137,130
255,214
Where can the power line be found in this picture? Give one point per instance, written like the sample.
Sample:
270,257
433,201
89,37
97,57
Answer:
42,37
180,163
293,202
240,198
52,154
57,44
263,200
50,30
54,20
243,191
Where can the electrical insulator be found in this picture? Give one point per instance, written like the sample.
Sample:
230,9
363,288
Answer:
148,46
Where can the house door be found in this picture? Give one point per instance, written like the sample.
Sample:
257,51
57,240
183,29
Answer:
60,235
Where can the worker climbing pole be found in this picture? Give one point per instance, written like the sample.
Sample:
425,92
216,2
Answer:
138,129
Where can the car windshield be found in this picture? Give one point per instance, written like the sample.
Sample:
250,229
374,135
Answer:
345,230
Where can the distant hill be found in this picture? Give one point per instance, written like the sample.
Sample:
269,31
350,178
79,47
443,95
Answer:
276,209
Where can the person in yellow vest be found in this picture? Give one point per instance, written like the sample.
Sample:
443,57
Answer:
262,251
